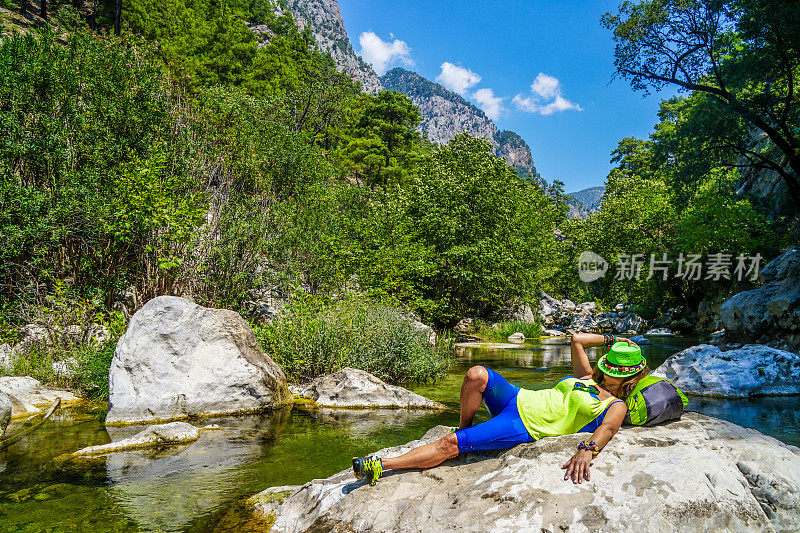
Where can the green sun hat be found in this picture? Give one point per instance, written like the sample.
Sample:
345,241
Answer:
622,361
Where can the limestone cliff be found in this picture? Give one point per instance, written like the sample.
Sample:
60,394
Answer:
326,23
585,202
445,114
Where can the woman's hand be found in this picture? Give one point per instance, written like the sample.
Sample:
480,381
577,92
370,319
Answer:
625,339
578,466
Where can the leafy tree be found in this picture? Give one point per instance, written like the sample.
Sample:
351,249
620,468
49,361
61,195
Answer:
483,235
379,148
743,54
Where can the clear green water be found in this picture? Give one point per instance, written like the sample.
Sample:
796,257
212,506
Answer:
197,487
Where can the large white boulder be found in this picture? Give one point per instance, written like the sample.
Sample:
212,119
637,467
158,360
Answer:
752,370
179,360
696,474
352,388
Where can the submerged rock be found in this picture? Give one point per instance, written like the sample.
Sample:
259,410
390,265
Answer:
752,370
357,389
697,474
178,359
158,435
28,396
641,340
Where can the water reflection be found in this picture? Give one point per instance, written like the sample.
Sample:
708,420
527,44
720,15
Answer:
166,490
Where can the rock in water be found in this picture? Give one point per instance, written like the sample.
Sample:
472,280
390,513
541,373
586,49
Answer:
353,388
772,310
158,435
696,474
5,412
752,370
516,337
180,360
28,396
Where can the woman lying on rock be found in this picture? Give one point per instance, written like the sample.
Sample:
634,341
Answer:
593,402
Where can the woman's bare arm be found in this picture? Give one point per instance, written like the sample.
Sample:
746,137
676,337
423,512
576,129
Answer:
580,361
578,466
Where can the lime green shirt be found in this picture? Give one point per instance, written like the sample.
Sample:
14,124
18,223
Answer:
566,408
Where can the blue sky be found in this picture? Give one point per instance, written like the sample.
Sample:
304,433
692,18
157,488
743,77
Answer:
574,115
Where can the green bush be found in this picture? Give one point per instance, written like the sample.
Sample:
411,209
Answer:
317,336
503,329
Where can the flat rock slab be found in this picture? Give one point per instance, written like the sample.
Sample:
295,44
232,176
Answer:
179,360
158,435
752,370
351,388
697,474
28,396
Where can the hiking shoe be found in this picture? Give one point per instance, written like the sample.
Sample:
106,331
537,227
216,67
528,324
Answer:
368,467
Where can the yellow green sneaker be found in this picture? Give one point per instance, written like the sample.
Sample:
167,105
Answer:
368,467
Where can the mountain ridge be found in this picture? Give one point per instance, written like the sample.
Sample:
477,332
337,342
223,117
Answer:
445,114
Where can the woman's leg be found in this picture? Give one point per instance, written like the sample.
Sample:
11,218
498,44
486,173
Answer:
499,432
426,456
475,381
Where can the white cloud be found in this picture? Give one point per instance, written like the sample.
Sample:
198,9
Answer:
545,88
457,79
492,105
381,54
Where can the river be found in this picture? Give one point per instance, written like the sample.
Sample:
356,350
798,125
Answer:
199,487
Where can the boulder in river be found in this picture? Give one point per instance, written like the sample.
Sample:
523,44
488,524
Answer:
152,436
28,396
179,360
752,370
356,389
770,311
516,337
696,474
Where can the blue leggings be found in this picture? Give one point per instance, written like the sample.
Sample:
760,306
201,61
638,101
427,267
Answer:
505,429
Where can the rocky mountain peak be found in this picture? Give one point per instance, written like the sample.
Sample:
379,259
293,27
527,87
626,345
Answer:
325,20
445,114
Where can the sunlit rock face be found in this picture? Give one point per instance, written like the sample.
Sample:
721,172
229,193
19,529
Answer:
352,388
5,412
696,474
752,370
324,19
445,114
180,360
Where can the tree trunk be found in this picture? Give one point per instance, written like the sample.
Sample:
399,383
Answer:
117,17
43,9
